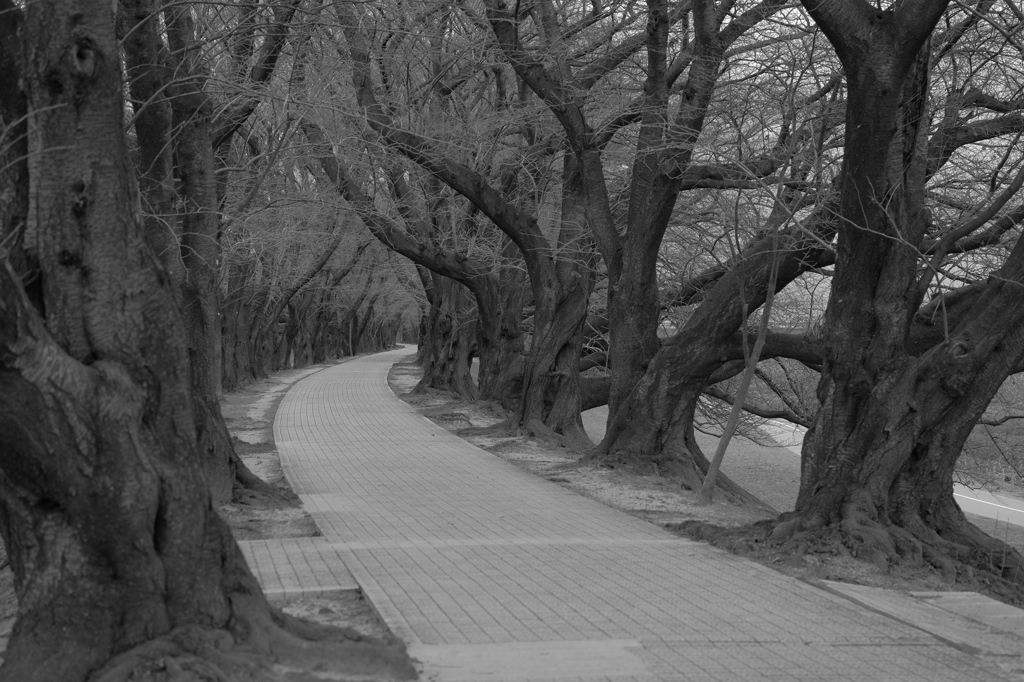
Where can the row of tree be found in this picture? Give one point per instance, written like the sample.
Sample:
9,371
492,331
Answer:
642,205
141,271
871,153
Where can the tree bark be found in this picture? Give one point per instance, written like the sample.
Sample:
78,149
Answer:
450,339
106,517
560,271
644,430
104,510
200,246
240,361
550,406
664,149
878,459
146,61
14,158
500,349
633,301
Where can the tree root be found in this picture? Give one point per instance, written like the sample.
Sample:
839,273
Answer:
259,648
248,485
683,469
421,389
967,556
573,439
499,430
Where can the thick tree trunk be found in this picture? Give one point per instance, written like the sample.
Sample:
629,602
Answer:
550,403
450,339
104,509
236,337
93,579
14,185
551,400
147,85
674,451
888,485
633,310
500,348
142,552
200,252
633,304
867,364
878,459
646,421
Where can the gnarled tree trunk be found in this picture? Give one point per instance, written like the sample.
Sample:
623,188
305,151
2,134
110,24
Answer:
649,430
104,508
500,300
878,459
562,285
450,339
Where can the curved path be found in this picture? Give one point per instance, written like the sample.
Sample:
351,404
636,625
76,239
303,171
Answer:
490,573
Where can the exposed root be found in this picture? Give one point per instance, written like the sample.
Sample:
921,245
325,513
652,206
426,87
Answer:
421,389
743,541
686,470
962,555
501,429
258,648
574,439
248,485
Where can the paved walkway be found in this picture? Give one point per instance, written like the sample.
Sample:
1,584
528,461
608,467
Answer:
490,573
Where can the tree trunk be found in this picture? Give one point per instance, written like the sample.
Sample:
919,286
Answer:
645,423
14,183
147,84
200,249
238,350
450,339
878,459
499,302
550,403
633,303
867,321
361,322
104,510
889,484
562,284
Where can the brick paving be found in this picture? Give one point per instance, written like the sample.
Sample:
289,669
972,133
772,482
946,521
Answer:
290,568
490,573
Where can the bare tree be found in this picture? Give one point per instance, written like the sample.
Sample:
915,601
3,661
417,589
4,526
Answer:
903,381
118,555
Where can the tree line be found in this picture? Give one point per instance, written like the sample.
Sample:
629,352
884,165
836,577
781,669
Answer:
669,208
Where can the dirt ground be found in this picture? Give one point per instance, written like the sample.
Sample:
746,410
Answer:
769,472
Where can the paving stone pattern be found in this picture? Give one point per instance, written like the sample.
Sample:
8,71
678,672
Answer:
297,567
491,573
